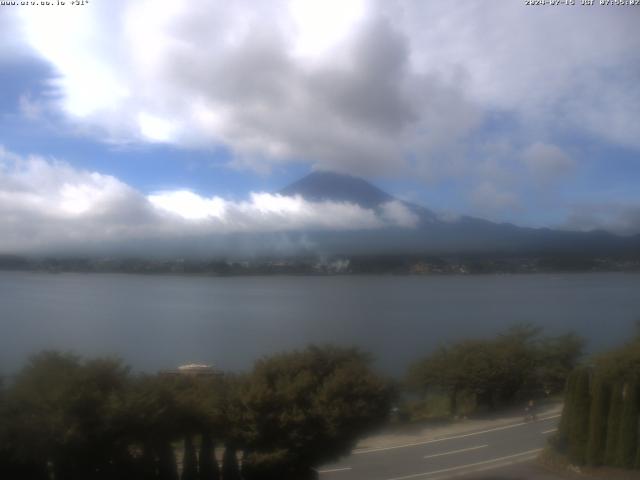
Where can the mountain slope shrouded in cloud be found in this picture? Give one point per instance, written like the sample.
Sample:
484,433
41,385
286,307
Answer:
50,207
319,186
431,233
202,109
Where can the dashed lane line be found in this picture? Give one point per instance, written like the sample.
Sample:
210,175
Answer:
334,470
499,462
452,452
436,440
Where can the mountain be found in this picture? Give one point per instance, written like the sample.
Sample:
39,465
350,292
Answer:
434,234
319,186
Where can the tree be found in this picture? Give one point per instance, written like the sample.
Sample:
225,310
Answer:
305,408
598,421
439,371
562,437
517,358
477,367
167,468
274,465
208,465
230,468
14,462
628,432
621,364
613,424
499,370
557,357
158,414
64,412
189,461
579,419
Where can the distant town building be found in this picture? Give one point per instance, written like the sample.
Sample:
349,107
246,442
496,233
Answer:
194,370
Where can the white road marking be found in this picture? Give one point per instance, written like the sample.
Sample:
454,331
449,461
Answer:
486,468
332,470
549,431
455,451
427,442
462,467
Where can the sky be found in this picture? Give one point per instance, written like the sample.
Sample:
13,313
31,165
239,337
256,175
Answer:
163,119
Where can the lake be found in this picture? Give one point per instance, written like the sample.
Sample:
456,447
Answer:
155,322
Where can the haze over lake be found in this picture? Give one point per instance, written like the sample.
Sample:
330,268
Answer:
156,322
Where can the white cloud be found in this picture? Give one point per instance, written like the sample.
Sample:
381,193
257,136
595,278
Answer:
29,108
46,205
265,212
322,26
620,218
547,162
486,93
488,197
397,213
359,86
274,82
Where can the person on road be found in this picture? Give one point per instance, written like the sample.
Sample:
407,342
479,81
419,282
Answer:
530,411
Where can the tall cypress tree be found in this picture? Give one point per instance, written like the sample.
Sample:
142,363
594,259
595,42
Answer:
565,420
209,469
613,424
167,468
230,468
598,421
146,464
579,420
190,461
628,434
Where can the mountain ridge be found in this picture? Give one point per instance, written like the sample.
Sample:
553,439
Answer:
324,185
434,234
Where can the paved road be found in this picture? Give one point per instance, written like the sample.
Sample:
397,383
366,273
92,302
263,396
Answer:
478,451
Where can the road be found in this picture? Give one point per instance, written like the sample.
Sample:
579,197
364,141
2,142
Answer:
472,452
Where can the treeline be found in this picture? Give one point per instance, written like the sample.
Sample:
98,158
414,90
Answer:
71,419
400,264
601,418
518,364
63,417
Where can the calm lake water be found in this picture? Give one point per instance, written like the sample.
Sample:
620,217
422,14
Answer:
155,322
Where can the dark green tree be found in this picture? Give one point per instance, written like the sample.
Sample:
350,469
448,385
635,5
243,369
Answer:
628,432
613,424
167,468
516,364
208,465
230,468
155,420
562,437
557,358
309,407
189,461
441,371
598,421
65,412
579,419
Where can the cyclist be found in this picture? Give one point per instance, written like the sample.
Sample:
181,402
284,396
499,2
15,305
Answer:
530,411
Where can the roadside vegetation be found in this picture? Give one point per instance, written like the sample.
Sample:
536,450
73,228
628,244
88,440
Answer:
601,417
485,374
67,418
64,417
